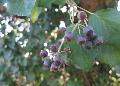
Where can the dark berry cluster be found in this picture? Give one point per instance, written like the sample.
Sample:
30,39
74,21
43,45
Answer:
89,38
54,63
51,58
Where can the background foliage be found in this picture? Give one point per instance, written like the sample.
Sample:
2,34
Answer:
17,69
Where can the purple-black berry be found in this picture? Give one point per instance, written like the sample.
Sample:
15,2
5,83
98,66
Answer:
98,41
47,62
88,30
54,67
82,15
57,60
54,48
68,36
93,37
81,39
43,53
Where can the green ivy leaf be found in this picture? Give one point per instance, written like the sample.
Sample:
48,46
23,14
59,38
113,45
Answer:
106,23
80,57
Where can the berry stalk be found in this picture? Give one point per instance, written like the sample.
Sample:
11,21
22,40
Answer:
63,37
61,45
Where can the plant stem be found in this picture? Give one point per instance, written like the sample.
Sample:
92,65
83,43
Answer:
74,28
86,79
81,25
85,22
72,3
85,10
62,41
61,45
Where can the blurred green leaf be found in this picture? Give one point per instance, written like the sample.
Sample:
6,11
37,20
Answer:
73,83
34,14
36,10
1,76
2,1
53,82
24,62
14,69
79,56
1,42
20,7
8,55
3,68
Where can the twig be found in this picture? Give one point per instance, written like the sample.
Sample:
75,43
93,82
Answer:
85,77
